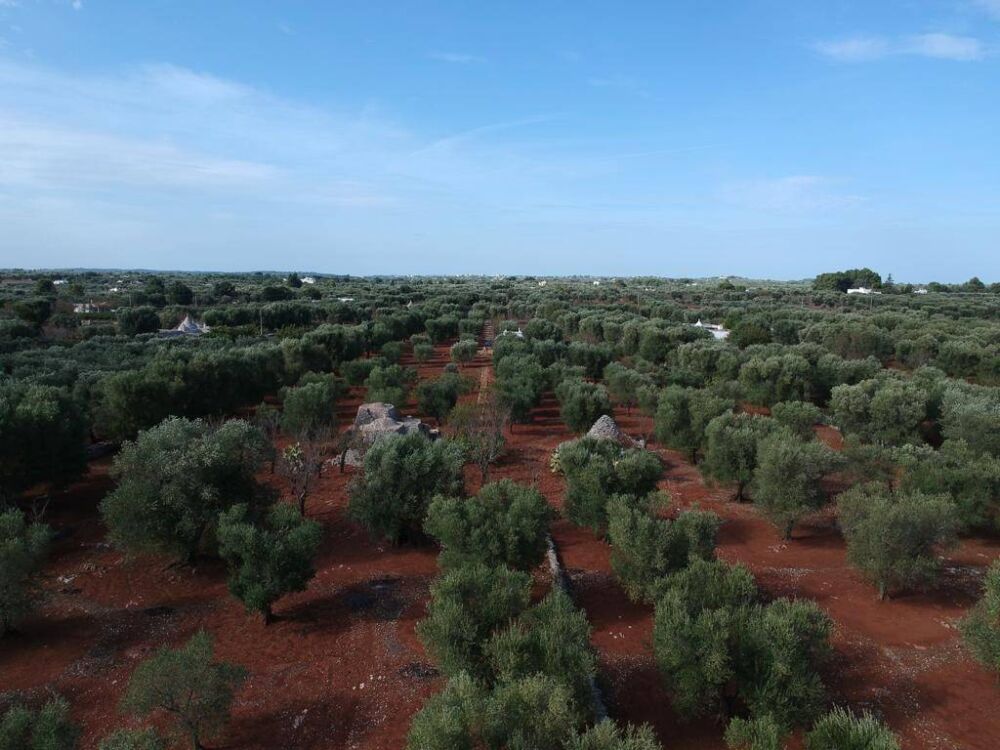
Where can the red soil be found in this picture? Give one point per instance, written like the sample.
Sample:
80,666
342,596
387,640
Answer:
342,668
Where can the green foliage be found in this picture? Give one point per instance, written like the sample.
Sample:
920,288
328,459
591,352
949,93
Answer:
423,351
880,410
464,350
609,736
505,524
42,431
624,384
269,558
468,604
761,733
782,377
357,371
971,479
48,728
401,476
972,414
683,414
644,548
787,483
798,416
582,403
781,647
731,443
842,730
597,469
390,383
23,549
188,686
841,281
392,352
520,380
535,713
175,479
310,408
478,428
133,739
894,538
135,320
436,398
695,629
552,639
981,628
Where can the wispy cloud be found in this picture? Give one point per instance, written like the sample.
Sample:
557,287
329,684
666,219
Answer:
793,193
456,58
940,46
992,7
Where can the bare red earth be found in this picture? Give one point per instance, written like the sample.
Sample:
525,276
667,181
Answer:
342,667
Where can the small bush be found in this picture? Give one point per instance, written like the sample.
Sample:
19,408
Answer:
505,524
582,403
401,476
842,730
981,628
48,728
133,739
188,686
23,549
468,604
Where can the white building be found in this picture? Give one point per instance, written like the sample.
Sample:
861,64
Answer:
717,331
862,290
308,279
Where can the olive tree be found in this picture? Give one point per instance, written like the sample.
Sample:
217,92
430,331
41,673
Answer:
683,415
401,475
582,403
505,524
597,469
133,739
981,628
309,408
797,416
479,429
24,547
269,557
645,549
787,481
187,686
894,538
47,728
175,479
464,351
609,736
731,442
468,604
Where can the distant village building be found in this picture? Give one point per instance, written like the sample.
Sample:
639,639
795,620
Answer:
59,282
84,308
862,290
517,334
308,279
349,299
920,291
717,331
187,327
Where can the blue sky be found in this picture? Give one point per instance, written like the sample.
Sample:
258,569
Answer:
768,139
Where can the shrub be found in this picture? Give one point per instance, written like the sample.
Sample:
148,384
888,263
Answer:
695,627
23,549
597,469
464,350
520,381
133,739
644,548
884,411
42,431
401,476
683,414
505,524
553,639
981,628
356,371
731,453
48,728
582,403
536,712
392,352
188,686
423,351
609,736
468,604
436,398
762,733
842,730
390,383
175,479
309,408
270,558
787,481
798,416
893,538
478,428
